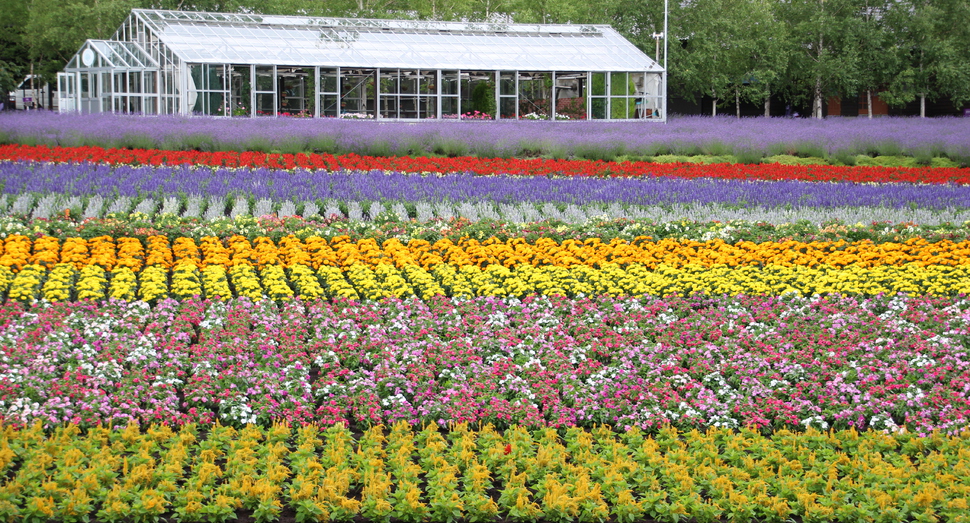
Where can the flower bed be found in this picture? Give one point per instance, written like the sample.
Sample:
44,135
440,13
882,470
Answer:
732,361
155,269
309,474
41,190
489,166
922,139
298,345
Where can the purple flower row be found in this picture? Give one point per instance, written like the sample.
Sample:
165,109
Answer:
688,135
301,185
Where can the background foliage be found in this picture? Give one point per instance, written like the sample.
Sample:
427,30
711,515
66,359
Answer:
726,50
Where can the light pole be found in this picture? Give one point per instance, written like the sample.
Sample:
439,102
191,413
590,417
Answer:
656,37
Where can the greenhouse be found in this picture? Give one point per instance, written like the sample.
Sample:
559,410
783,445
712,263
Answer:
219,64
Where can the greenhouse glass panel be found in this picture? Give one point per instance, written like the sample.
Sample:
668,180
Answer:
449,107
265,104
618,83
507,108
134,82
265,78
329,104
598,87
240,88
328,80
389,81
449,82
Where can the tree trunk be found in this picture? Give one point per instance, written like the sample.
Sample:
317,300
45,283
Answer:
737,102
869,101
817,104
768,106
714,107
922,105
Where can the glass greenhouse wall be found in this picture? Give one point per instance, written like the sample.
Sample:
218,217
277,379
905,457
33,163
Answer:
216,64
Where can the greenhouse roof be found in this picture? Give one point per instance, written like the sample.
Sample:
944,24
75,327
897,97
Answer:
412,44
112,53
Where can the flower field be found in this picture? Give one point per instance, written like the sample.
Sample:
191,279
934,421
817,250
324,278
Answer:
265,336
414,475
511,166
845,140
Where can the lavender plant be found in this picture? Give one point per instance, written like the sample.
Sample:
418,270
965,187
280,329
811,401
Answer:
745,138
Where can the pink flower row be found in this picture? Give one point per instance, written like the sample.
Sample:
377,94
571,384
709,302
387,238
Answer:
792,362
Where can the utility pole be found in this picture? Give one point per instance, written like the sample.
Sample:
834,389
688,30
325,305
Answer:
666,36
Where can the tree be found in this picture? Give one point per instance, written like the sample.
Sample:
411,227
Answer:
932,51
442,9
55,30
639,22
714,53
14,55
878,59
825,50
562,12
764,50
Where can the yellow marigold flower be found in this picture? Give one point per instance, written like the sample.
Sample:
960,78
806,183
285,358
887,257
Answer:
123,284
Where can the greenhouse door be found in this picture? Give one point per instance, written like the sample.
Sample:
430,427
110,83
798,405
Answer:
67,92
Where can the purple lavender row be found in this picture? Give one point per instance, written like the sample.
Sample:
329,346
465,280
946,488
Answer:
686,135
301,185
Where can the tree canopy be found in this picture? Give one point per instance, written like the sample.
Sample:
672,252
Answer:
725,50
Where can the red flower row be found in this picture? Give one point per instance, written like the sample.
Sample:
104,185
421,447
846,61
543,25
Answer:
487,166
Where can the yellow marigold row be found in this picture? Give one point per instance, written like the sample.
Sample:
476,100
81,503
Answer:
64,282
425,475
315,252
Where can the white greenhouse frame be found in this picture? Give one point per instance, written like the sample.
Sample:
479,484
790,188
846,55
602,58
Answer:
218,64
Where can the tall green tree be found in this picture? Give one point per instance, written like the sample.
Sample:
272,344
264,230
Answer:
764,51
714,53
639,23
441,9
55,30
14,54
933,50
825,48
562,11
879,60
212,6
